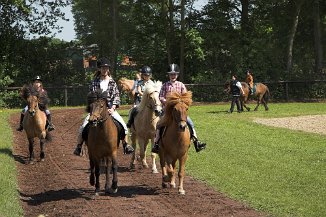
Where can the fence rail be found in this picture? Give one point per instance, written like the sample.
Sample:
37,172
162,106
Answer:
312,90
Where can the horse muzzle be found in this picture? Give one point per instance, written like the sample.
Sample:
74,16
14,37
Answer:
32,113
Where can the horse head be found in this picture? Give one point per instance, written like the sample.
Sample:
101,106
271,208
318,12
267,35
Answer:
177,106
227,86
151,98
97,107
31,95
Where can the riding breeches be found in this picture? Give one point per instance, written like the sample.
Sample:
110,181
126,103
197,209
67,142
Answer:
118,118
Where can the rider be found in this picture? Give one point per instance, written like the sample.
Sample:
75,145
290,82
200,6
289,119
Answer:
174,85
236,87
105,82
134,89
146,74
37,83
250,81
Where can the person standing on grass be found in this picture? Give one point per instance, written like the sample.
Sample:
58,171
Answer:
236,89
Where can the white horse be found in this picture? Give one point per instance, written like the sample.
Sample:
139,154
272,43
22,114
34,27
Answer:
144,126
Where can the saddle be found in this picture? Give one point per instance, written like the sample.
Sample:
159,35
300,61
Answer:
121,131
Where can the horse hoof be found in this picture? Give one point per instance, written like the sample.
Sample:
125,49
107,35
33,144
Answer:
172,185
145,166
164,185
182,192
42,159
113,191
97,194
31,162
132,166
154,171
166,179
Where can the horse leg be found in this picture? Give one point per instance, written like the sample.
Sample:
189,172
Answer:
91,176
42,153
133,156
163,166
108,163
258,102
142,147
172,174
31,150
265,104
181,174
153,157
97,178
114,186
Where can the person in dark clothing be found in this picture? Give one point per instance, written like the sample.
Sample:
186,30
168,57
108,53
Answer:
236,89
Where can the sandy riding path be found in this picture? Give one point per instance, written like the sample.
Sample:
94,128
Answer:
59,186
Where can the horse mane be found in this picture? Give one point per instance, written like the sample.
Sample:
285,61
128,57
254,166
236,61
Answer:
172,99
92,96
149,88
28,90
122,82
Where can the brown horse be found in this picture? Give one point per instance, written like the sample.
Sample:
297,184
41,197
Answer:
144,126
175,141
102,143
261,93
34,122
126,85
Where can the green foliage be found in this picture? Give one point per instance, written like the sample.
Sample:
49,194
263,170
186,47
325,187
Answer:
9,197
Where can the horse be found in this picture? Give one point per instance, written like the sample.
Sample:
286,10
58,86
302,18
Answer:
261,93
34,122
144,126
175,141
126,85
102,142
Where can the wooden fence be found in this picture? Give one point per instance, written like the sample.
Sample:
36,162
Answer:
314,90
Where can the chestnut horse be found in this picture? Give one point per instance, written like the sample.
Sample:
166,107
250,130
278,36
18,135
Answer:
126,85
102,143
34,122
175,141
144,126
261,93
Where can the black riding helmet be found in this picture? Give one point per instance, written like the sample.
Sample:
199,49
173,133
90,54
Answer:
37,78
103,62
146,70
173,69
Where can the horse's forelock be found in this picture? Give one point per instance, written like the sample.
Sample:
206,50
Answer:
29,90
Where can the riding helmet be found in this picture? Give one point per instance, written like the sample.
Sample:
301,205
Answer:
103,62
173,69
146,70
37,78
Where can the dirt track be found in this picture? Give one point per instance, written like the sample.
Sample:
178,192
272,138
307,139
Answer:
59,186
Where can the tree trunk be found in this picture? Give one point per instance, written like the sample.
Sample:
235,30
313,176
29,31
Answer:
293,30
170,37
114,53
244,15
182,41
317,34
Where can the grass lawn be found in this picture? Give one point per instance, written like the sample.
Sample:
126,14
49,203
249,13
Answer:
9,195
276,170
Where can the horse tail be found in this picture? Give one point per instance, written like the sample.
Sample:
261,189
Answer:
266,95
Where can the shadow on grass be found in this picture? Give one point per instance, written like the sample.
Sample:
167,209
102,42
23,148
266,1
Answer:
6,151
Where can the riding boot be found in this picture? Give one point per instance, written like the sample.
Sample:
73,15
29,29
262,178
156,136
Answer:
50,125
156,147
127,149
133,113
198,144
20,128
78,149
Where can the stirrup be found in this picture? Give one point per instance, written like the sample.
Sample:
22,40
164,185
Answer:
127,149
156,148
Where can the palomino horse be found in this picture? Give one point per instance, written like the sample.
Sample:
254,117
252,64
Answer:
144,126
261,93
102,143
126,85
34,122
175,141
